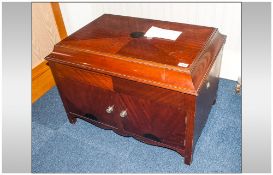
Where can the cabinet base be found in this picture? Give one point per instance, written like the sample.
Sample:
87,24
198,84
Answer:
187,158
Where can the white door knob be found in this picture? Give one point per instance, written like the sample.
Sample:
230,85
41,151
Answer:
110,109
123,113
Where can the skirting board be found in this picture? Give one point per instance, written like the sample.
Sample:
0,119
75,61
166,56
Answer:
42,80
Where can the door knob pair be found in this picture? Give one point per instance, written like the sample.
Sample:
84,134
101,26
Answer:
110,109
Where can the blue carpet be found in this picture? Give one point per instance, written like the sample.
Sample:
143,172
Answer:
59,147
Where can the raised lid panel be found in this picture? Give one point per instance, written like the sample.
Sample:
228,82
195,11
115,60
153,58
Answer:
112,34
106,46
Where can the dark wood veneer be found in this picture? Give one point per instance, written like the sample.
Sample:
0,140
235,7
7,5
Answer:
109,63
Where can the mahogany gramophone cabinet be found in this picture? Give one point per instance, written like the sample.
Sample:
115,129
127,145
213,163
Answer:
157,90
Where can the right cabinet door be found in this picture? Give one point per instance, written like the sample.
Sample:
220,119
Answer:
153,120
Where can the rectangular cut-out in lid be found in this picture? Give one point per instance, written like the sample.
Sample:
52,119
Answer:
162,33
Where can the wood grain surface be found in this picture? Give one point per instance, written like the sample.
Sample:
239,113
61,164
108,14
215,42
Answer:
153,99
106,46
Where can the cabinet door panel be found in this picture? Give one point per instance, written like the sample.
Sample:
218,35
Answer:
153,120
90,101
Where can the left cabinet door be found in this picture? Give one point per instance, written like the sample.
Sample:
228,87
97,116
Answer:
91,102
87,94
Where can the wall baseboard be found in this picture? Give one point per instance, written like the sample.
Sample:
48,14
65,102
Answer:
42,80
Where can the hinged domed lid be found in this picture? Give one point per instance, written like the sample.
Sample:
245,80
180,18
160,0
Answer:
120,46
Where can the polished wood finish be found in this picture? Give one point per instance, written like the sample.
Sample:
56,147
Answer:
92,78
42,81
106,42
206,97
151,93
154,100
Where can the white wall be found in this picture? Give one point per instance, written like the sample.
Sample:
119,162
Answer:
224,16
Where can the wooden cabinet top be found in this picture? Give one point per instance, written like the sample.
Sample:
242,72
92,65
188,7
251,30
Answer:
116,45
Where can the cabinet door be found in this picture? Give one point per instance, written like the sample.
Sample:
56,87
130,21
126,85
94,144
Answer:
92,102
153,120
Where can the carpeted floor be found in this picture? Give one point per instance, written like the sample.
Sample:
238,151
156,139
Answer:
58,146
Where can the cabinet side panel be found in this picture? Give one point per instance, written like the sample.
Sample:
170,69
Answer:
59,85
206,97
202,65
